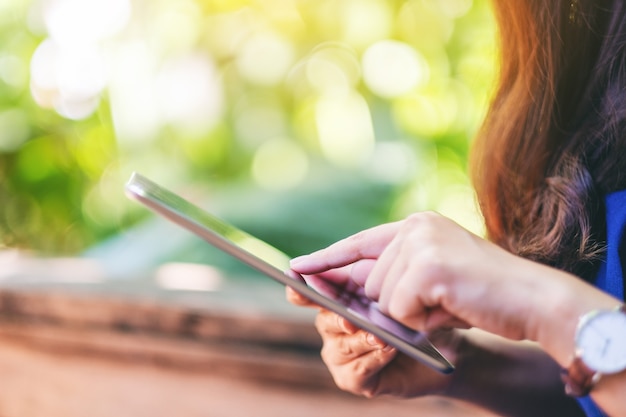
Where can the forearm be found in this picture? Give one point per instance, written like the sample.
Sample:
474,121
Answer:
509,378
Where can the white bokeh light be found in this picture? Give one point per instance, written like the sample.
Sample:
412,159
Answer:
133,97
392,162
68,79
333,66
43,66
279,164
458,202
85,21
13,71
265,58
258,121
392,68
345,129
453,8
365,21
80,72
190,92
77,109
68,70
184,92
184,276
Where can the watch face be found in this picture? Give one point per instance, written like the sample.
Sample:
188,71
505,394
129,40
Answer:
601,341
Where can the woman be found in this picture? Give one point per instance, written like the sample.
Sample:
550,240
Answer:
549,167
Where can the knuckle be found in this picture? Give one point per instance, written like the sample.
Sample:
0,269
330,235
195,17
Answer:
425,226
357,240
433,264
360,368
327,354
407,317
372,291
345,348
337,350
345,384
398,312
325,322
424,217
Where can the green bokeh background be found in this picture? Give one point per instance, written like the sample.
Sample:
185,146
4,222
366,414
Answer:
62,174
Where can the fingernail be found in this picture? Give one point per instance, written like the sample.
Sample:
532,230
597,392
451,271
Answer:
376,342
298,260
372,340
388,348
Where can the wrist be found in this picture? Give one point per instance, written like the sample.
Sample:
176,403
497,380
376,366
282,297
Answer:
558,306
556,324
490,367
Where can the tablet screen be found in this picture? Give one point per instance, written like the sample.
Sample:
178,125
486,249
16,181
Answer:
348,301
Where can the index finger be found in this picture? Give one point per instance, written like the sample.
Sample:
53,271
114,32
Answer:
368,244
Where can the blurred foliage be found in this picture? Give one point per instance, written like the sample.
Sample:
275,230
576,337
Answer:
315,118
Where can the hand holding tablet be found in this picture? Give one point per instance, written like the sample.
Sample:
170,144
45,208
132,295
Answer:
348,302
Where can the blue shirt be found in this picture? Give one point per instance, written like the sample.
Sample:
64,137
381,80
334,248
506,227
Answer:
610,277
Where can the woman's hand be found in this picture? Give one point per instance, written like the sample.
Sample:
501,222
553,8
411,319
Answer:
362,364
429,273
507,378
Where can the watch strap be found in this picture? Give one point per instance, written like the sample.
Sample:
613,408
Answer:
578,378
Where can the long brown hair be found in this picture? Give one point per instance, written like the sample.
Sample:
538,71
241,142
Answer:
554,141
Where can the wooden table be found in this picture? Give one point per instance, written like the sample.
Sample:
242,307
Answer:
75,354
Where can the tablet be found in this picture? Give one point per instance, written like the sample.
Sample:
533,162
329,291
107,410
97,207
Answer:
349,302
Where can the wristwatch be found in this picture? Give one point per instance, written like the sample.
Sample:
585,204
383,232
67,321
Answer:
600,350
